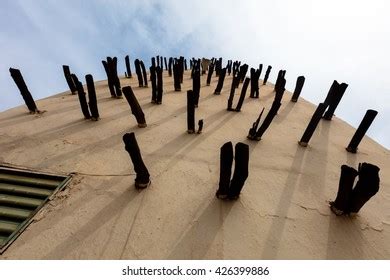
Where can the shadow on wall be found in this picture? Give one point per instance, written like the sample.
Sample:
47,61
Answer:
175,146
275,232
115,207
315,170
344,239
200,235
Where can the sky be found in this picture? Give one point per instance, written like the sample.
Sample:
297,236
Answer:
343,40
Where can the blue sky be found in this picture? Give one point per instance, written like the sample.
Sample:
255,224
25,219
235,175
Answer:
346,40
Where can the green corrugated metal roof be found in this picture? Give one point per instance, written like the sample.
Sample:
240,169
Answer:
22,194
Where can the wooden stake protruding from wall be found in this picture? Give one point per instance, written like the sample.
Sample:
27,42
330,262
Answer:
27,97
142,179
221,80
82,97
361,131
136,109
68,78
333,99
92,100
128,68
267,73
255,75
315,119
298,88
230,188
